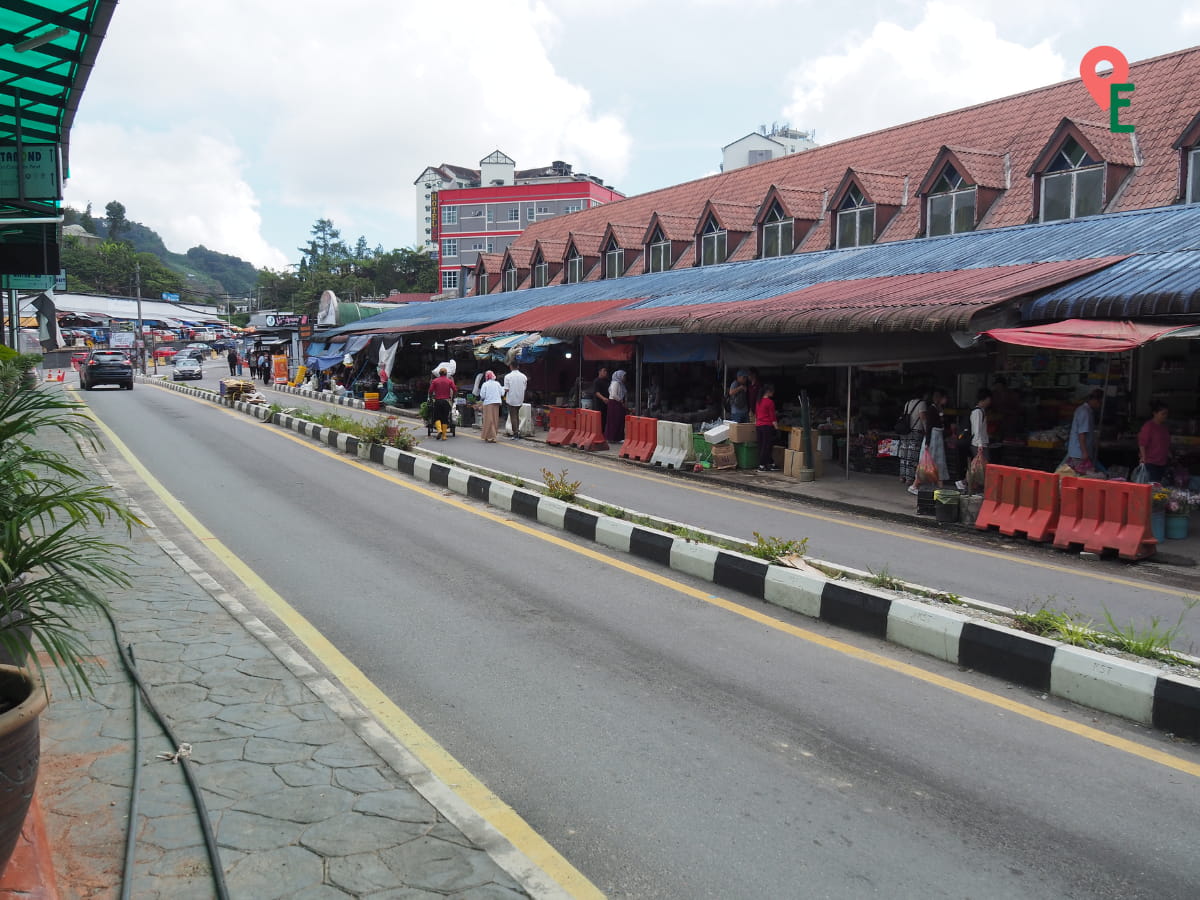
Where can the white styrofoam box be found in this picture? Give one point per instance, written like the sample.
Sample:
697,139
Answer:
717,435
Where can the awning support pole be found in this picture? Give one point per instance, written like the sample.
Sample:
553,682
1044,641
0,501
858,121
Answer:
849,381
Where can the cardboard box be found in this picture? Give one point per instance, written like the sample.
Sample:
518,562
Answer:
796,439
724,456
795,460
742,433
777,454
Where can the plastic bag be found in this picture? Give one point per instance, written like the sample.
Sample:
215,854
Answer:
976,472
1141,475
927,470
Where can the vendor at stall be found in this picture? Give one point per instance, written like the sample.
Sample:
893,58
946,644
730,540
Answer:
1154,443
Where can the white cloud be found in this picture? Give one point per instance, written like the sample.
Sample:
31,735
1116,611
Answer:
187,187
950,59
341,108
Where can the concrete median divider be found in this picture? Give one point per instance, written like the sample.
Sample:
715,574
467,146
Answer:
1138,692
1019,501
641,437
674,444
1100,515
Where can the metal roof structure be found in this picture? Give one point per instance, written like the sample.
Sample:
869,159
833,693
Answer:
1164,230
1151,284
47,50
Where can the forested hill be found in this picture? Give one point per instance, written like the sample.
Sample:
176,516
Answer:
204,271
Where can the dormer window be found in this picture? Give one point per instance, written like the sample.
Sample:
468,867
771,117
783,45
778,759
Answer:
541,273
855,220
660,252
1193,170
713,243
510,277
1072,185
950,207
778,235
614,260
574,267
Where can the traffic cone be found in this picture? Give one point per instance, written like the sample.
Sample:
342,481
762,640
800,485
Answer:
62,374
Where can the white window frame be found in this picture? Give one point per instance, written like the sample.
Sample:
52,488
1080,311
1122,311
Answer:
514,214
511,278
1193,173
449,247
573,208
714,244
574,269
449,215
449,279
491,215
1073,176
541,274
614,262
529,214
858,213
776,222
659,256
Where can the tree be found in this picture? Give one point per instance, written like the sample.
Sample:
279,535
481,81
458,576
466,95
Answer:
117,223
86,220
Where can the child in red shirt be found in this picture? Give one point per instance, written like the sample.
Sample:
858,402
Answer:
765,421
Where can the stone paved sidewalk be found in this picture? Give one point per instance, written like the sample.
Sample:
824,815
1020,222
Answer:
308,797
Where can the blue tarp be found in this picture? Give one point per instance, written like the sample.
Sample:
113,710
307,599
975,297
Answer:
321,363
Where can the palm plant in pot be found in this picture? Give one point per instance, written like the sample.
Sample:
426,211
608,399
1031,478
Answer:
51,571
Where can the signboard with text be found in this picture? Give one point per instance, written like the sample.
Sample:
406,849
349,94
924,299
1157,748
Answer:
282,320
121,339
28,282
36,166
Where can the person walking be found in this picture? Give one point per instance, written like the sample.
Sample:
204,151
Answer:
614,430
911,443
1154,443
933,424
977,445
766,421
442,391
739,397
264,368
515,383
1084,439
491,396
232,358
600,395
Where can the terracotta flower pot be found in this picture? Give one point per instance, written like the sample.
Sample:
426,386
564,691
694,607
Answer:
23,698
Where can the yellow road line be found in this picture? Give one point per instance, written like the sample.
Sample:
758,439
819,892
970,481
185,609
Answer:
1061,723
432,755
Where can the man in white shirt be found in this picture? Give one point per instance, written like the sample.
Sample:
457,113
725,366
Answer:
515,383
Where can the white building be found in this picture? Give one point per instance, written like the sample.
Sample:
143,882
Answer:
760,146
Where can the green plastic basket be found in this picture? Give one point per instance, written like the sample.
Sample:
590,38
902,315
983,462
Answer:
701,448
747,455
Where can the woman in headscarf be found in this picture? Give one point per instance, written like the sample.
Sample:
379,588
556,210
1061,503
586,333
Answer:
614,427
490,397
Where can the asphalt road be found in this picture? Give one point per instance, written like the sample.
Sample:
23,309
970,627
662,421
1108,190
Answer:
1012,573
666,746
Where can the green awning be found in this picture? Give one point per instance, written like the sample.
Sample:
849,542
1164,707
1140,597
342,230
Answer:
47,50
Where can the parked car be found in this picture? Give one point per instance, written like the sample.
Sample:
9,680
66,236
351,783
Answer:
106,367
187,367
164,352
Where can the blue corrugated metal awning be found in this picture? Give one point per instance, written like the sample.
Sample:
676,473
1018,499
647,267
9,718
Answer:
1154,231
1153,284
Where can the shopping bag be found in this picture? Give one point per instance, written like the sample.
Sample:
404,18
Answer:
927,470
976,472
1140,475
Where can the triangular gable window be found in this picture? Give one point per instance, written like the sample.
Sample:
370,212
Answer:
950,206
614,259
855,219
541,271
510,276
713,243
778,233
660,252
1072,185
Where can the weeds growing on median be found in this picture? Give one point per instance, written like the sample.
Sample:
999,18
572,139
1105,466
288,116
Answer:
885,579
773,549
558,487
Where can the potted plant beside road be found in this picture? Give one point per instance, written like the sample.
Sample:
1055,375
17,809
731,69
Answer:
51,570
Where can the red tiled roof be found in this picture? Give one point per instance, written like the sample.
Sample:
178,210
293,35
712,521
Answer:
552,251
491,262
674,228
621,319
747,249
978,166
1168,96
401,297
520,256
586,244
884,188
627,236
799,203
542,317
1098,140
731,216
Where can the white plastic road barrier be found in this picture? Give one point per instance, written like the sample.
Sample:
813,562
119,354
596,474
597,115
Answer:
524,420
674,444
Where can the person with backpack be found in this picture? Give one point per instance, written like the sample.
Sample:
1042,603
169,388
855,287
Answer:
933,425
973,443
910,427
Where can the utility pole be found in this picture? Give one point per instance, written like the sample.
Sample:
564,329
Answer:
139,338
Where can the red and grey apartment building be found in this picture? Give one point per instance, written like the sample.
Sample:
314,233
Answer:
469,220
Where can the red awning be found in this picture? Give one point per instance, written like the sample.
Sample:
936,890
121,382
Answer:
1091,334
542,317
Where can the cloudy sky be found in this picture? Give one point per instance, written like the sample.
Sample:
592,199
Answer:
237,123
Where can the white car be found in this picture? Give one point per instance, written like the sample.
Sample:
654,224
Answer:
187,367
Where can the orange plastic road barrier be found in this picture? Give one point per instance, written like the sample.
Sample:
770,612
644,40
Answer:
588,434
1019,501
641,437
1105,515
562,426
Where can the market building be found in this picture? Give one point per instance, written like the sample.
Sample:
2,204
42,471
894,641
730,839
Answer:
865,271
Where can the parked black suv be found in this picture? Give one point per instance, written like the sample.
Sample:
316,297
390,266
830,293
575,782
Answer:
106,367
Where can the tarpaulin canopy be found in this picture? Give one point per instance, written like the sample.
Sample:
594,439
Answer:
1091,334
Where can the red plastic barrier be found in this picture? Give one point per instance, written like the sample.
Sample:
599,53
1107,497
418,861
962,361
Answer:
641,437
562,426
1106,515
588,434
1019,501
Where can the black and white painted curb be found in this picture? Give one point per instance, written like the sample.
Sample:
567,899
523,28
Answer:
324,396
1096,680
